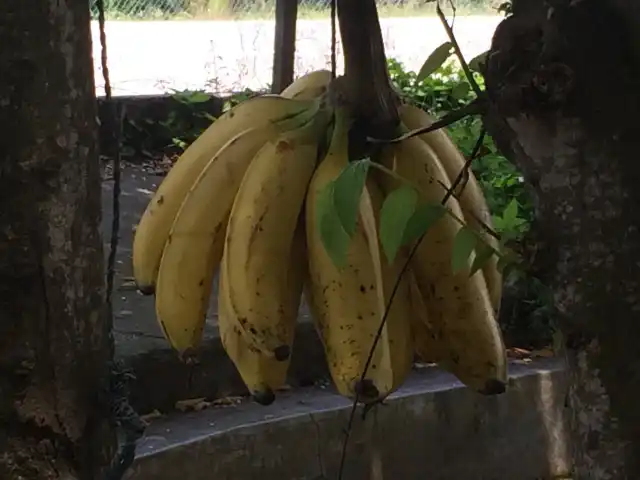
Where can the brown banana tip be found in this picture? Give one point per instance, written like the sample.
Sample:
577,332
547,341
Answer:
146,289
190,357
493,387
282,353
366,390
264,397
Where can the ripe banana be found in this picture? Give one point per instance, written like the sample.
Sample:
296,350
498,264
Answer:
195,242
457,304
260,234
261,373
396,340
308,86
153,230
471,197
346,303
428,344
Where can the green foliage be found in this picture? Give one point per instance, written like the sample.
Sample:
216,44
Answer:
435,60
463,246
338,206
396,213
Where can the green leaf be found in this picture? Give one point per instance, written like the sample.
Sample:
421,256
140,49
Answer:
395,215
477,62
422,220
333,236
435,60
198,97
460,91
347,192
510,213
483,253
463,246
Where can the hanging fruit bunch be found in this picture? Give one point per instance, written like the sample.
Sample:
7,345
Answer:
252,200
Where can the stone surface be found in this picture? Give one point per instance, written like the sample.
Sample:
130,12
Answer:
431,428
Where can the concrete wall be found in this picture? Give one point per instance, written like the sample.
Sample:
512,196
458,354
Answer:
431,429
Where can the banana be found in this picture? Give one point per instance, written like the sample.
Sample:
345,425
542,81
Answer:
308,86
347,303
428,345
260,233
195,242
471,198
396,340
261,373
458,305
270,111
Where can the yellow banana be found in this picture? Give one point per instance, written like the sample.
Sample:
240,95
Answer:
195,242
457,304
396,340
428,344
151,234
260,234
262,374
308,86
346,303
471,198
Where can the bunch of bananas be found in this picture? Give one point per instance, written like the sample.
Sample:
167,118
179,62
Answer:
243,201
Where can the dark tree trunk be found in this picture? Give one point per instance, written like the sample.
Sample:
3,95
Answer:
54,340
563,87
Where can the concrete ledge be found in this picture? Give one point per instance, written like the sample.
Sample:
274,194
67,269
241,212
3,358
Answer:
432,428
162,379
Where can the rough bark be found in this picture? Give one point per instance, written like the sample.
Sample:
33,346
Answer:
562,79
54,341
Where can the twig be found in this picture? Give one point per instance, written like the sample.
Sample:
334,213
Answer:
394,291
464,172
476,107
333,37
456,47
121,410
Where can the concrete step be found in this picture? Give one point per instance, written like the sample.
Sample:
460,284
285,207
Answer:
431,428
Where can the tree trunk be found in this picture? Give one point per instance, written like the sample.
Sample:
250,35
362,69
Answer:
54,337
563,87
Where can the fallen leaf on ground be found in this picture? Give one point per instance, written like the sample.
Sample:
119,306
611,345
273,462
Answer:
543,353
226,401
192,404
151,416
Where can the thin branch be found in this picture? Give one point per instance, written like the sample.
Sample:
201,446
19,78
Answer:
456,47
333,37
121,410
476,107
464,172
